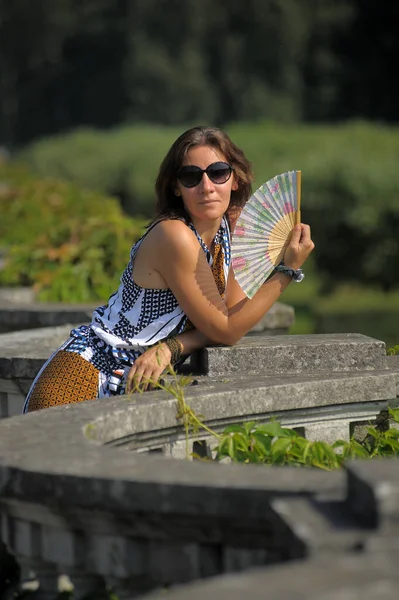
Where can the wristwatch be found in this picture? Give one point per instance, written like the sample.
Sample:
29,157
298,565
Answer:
297,275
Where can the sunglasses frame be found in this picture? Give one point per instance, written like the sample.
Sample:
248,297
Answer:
201,172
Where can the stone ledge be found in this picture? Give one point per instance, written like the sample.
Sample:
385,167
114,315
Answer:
393,365
188,519
374,493
24,461
347,577
18,317
22,354
293,354
249,399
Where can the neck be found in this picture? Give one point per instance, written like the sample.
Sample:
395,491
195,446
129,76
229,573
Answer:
207,229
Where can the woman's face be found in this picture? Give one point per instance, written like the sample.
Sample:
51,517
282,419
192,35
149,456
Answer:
206,201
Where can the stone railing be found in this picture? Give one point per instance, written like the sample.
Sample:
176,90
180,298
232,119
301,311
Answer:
74,500
19,311
36,329
325,384
339,575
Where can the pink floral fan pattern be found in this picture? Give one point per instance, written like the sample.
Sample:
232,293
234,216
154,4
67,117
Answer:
263,230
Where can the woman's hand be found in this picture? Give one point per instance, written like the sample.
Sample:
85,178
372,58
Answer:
299,248
148,368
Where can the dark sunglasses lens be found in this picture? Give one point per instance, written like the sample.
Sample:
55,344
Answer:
219,172
189,176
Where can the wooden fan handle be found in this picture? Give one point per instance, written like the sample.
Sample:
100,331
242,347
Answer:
298,190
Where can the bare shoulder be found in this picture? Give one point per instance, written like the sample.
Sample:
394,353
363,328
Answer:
172,234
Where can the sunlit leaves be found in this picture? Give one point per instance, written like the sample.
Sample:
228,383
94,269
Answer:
272,444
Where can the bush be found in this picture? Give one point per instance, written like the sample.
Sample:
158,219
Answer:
70,243
350,182
122,162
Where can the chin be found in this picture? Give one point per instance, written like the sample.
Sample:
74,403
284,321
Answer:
214,210
207,215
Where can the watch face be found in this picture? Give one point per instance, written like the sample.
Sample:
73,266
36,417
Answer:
298,275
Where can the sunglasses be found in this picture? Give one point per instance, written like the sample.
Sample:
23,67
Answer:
218,172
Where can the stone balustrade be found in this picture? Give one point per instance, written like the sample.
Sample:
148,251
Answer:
34,330
20,311
349,576
327,385
92,490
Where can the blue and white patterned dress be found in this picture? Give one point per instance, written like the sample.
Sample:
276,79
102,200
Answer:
135,318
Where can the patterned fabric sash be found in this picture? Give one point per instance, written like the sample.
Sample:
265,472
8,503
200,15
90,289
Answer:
218,268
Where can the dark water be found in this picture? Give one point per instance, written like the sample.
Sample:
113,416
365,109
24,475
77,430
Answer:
382,325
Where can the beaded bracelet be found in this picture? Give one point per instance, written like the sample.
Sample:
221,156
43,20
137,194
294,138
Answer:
175,348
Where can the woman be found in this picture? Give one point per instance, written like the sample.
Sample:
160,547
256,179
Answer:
177,293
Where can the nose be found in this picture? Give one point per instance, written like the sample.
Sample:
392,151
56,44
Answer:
206,184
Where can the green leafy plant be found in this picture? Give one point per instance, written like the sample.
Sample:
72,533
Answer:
69,243
272,444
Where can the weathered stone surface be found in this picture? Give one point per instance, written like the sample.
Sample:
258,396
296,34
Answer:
266,355
373,492
21,447
15,316
226,397
74,500
393,365
12,296
364,577
334,401
22,353
293,354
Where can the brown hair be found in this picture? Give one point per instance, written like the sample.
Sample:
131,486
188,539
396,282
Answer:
171,206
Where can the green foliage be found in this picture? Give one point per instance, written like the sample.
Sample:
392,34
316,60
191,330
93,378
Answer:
70,243
271,444
122,162
350,183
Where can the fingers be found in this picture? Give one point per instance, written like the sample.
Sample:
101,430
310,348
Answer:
300,234
141,380
305,238
299,247
296,235
146,370
137,383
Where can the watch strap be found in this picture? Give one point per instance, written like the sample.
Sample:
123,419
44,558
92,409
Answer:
296,275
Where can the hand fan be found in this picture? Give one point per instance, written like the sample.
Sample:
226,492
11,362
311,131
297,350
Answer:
263,230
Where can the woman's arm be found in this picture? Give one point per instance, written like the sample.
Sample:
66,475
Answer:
193,340
182,264
217,321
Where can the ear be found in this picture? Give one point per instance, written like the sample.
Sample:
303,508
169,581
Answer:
234,185
177,192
